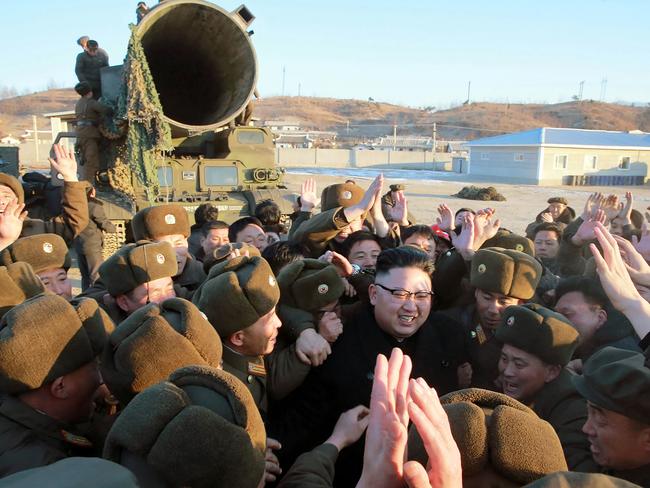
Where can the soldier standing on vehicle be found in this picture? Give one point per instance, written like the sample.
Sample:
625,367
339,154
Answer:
88,113
89,63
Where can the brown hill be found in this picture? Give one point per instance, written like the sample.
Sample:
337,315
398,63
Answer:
368,118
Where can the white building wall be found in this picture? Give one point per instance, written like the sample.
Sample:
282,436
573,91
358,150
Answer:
507,164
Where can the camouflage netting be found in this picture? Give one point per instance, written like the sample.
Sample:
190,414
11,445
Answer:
148,134
476,193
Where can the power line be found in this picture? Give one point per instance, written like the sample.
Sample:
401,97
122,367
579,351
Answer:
427,124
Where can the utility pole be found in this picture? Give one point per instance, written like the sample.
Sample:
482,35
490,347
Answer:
435,134
469,87
35,139
299,86
394,136
582,85
603,89
347,127
284,72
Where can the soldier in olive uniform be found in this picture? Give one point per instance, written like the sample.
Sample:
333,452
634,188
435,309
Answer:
89,113
616,385
48,256
134,276
169,223
537,345
48,381
501,277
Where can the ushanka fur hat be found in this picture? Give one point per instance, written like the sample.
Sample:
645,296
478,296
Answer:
41,251
494,430
15,186
46,337
511,273
201,429
309,284
162,220
153,342
340,195
18,282
237,293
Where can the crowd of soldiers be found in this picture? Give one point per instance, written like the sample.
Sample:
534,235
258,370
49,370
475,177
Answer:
347,346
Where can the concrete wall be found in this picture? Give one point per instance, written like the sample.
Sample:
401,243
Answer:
607,164
499,164
350,158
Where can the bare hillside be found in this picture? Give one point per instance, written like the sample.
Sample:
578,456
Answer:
368,118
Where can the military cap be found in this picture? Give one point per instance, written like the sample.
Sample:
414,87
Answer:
341,195
397,187
509,240
92,44
83,88
18,282
570,479
561,200
14,185
492,429
74,472
511,273
41,251
153,342
237,293
163,220
617,380
46,337
200,428
135,264
309,284
222,253
538,331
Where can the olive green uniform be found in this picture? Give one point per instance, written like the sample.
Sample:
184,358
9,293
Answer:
313,469
317,233
89,113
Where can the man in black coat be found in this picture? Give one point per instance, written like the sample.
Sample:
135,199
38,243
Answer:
398,316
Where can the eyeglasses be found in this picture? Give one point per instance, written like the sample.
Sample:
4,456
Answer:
401,294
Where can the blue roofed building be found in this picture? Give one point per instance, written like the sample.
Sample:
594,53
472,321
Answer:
553,156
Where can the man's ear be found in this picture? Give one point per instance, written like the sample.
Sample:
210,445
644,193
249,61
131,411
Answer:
372,294
237,339
552,372
58,388
602,317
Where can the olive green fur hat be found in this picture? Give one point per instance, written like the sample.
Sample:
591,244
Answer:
135,264
46,337
492,429
309,284
222,253
162,220
14,184
237,293
561,200
509,240
83,88
201,428
539,331
18,282
512,273
617,380
41,251
153,342
340,195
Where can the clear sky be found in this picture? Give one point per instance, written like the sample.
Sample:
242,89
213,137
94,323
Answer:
417,53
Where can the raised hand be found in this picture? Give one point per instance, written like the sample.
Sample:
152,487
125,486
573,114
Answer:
625,211
446,219
374,190
383,458
585,232
464,242
636,266
399,211
592,205
64,163
308,196
343,266
431,421
485,227
642,245
610,206
11,223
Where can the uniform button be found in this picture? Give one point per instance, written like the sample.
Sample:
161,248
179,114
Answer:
250,378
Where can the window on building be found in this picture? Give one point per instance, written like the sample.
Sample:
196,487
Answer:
485,156
166,176
591,161
561,161
519,156
625,163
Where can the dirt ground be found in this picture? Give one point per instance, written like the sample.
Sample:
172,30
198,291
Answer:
523,202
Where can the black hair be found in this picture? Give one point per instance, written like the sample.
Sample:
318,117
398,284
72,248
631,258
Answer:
281,253
206,212
403,257
590,288
212,224
418,229
358,236
464,209
268,212
551,227
238,225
